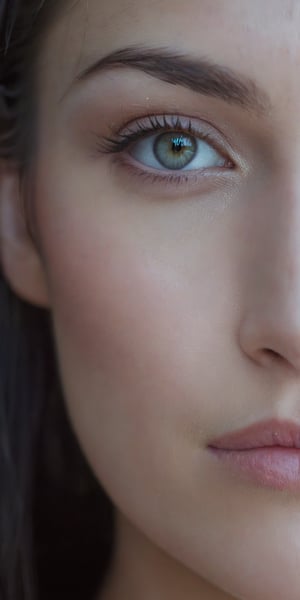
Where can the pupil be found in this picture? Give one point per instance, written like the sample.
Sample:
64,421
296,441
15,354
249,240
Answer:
177,144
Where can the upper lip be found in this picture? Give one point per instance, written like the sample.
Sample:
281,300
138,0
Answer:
265,433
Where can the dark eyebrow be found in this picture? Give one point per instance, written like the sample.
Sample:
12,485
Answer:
197,74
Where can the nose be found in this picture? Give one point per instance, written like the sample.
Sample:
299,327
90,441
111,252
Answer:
269,331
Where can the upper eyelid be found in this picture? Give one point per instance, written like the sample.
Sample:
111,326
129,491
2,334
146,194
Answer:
136,128
153,119
156,127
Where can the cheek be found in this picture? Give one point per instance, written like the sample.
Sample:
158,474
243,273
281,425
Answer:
139,329
125,331
138,363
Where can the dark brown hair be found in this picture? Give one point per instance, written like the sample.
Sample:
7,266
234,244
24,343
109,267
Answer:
56,522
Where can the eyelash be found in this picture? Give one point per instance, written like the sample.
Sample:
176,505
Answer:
119,142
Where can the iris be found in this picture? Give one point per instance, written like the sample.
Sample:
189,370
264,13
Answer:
175,150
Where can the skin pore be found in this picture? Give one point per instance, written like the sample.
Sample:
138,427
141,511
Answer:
175,296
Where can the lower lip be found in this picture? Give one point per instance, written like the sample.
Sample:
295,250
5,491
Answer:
274,467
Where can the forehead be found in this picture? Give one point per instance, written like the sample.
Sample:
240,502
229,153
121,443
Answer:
259,38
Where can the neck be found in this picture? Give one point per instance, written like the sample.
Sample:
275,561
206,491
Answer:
140,570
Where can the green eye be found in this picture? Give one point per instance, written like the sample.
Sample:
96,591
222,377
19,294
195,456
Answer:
174,150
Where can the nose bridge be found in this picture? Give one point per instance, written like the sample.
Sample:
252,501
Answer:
279,255
271,322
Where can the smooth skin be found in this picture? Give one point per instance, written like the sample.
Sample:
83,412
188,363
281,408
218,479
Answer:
176,306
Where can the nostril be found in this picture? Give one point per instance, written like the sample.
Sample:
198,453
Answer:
272,356
271,353
269,357
266,356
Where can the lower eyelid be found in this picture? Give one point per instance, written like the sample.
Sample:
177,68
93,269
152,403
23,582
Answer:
193,180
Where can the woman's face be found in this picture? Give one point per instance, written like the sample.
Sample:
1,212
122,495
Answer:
172,257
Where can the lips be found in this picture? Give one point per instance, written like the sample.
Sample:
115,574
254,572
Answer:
266,433
267,453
